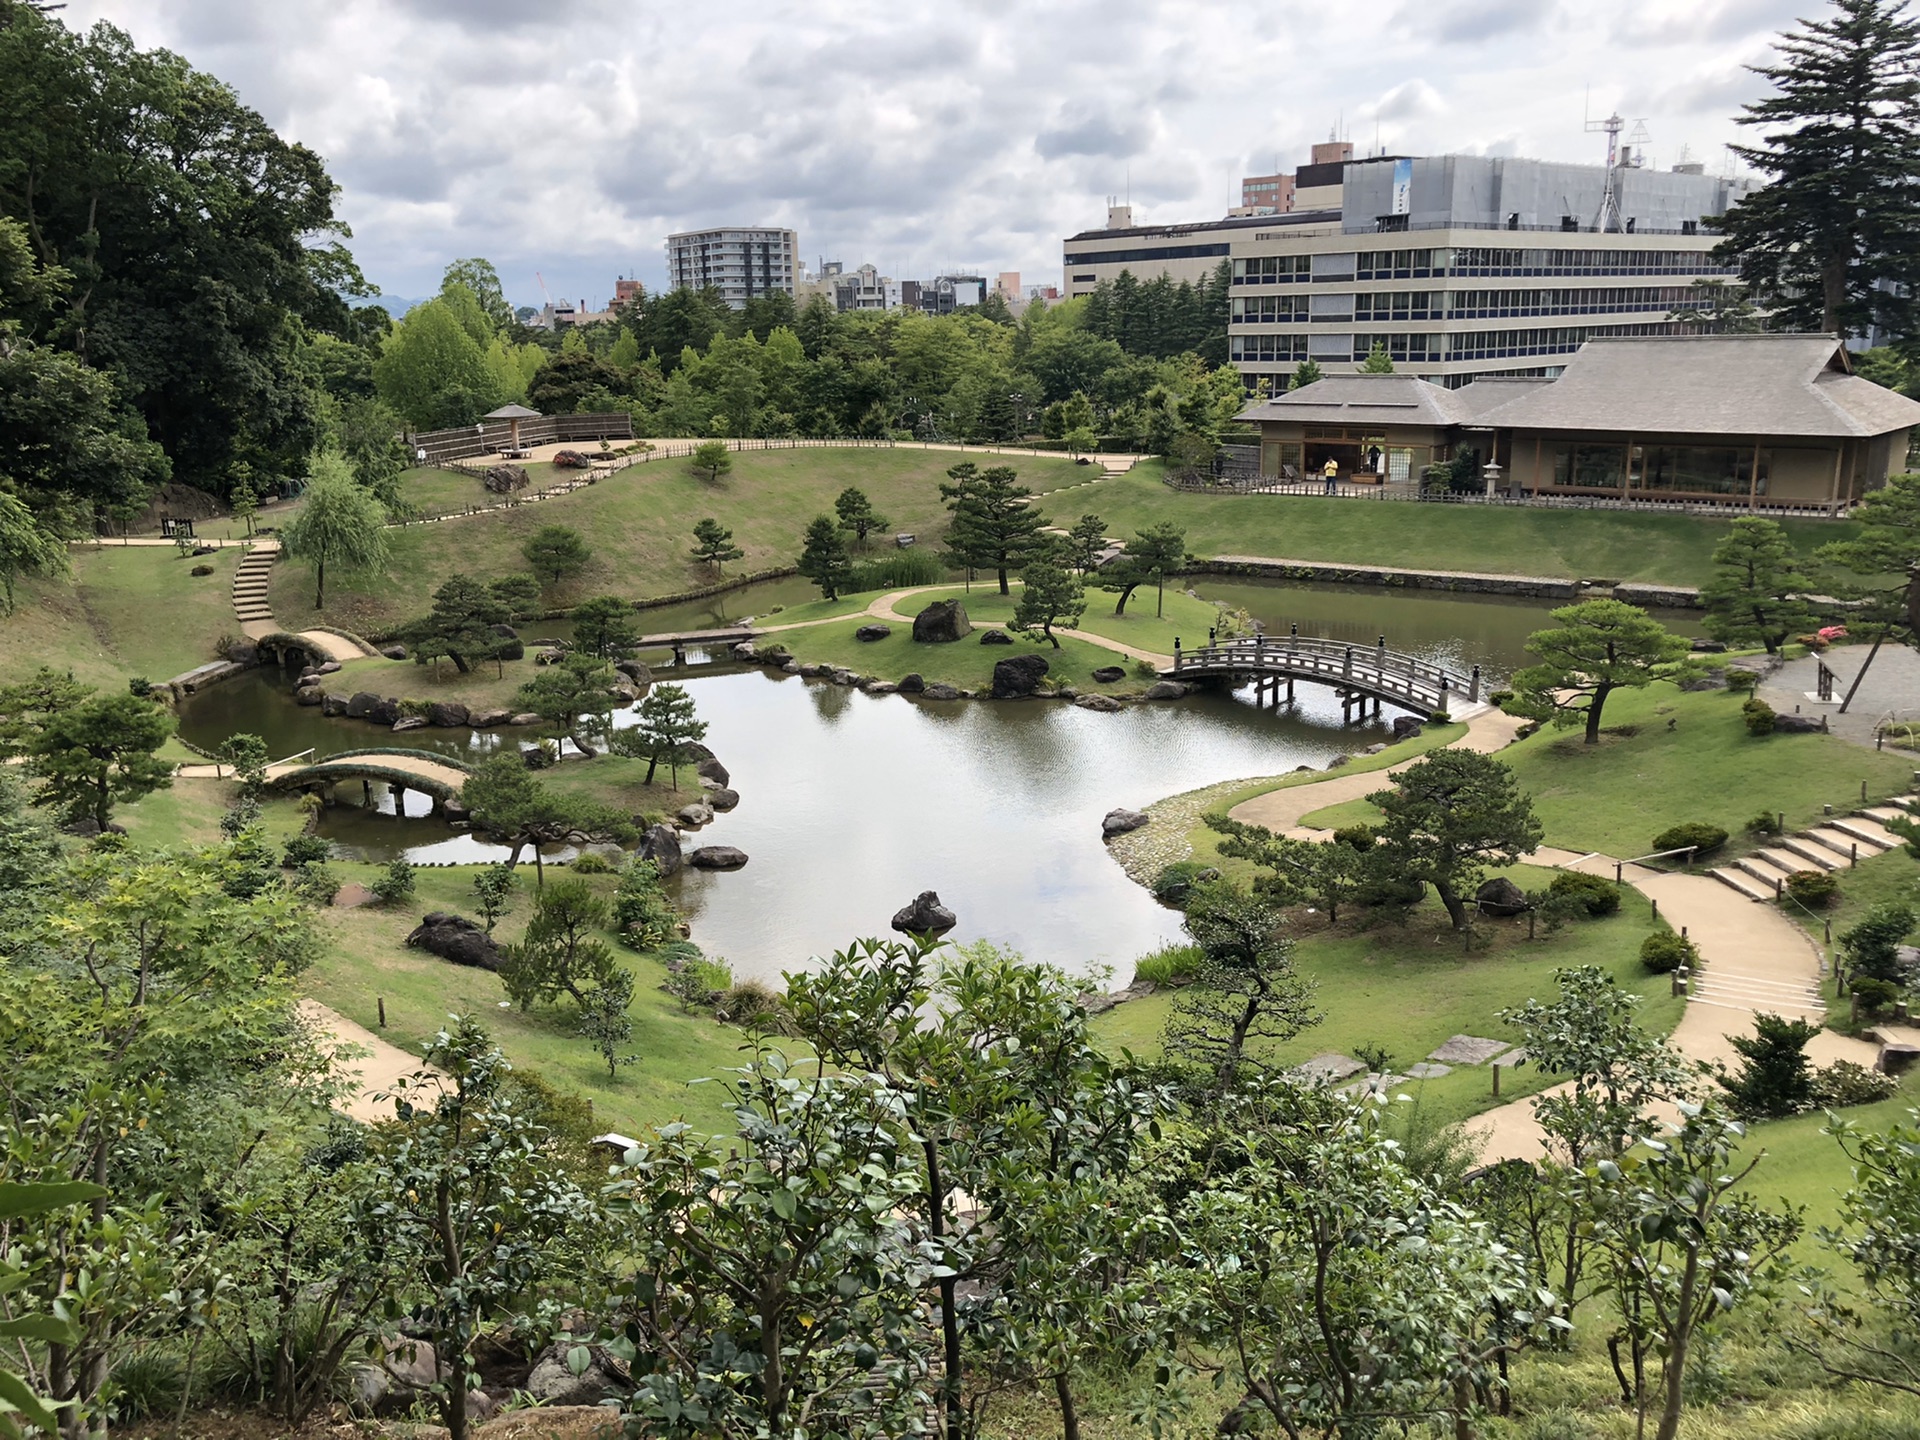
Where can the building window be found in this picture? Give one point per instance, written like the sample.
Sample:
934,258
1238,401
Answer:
1697,469
1268,309
1272,269
1589,467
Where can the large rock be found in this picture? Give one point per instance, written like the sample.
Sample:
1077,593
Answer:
937,691
332,667
996,637
333,705
914,684
1798,724
552,1381
410,722
404,1374
242,652
1018,675
487,719
636,671
1120,822
941,623
450,714
1166,690
310,695
385,712
693,816
1105,704
456,938
360,704
925,916
504,632
712,769
661,844
723,798
1500,896
1108,674
394,652
1405,727
717,857
525,717
871,633
879,687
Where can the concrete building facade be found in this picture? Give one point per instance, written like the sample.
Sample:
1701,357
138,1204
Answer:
1457,266
741,263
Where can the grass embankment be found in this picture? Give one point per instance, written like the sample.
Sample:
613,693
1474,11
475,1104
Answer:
1409,988
1675,756
639,526
969,664
189,813
367,960
1583,544
128,611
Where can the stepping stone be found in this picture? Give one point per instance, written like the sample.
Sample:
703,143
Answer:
1327,1068
1372,1085
1469,1050
1428,1070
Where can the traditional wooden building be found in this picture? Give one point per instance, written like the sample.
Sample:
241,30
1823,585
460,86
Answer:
1750,421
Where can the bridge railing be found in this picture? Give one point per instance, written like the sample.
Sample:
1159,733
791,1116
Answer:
1370,667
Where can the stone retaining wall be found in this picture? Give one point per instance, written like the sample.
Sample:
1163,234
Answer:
1536,587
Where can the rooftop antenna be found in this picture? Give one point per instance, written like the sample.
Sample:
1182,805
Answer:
1609,216
1638,141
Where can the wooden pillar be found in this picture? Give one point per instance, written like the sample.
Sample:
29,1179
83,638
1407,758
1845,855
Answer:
1753,480
1834,498
399,800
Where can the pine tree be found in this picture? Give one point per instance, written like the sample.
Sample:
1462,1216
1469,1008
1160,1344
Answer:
1306,372
667,730
1050,595
1757,590
1377,362
992,528
857,514
824,558
1829,243
713,544
1087,537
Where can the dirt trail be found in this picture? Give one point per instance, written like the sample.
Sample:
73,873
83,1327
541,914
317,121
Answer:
377,1067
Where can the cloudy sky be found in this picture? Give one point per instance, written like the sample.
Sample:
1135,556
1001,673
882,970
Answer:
569,137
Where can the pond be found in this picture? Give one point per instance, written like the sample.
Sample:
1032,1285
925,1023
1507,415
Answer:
852,804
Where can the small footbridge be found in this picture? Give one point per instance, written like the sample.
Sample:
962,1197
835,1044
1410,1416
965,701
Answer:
680,641
435,775
1358,674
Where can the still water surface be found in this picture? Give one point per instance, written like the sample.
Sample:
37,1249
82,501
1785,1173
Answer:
851,804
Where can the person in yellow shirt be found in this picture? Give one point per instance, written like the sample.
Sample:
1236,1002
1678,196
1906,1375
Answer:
1332,471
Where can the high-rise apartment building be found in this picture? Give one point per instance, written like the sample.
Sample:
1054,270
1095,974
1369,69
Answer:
740,263
1456,265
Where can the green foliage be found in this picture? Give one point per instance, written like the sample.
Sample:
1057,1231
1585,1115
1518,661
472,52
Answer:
1664,951
711,458
901,570
1815,889
433,369
461,625
1844,1084
1774,1076
1595,894
1149,556
1246,991
589,862
26,546
1871,947
1596,648
1050,595
713,544
824,558
248,755
604,1020
555,552
1377,361
573,695
1306,372
508,802
559,955
1767,822
1085,539
1449,816
98,753
301,850
666,730
993,528
1880,1215
517,594
1826,248
605,627
1702,837
642,914
1757,591
1175,882
395,884
856,514
1758,716
493,887
339,524
1169,965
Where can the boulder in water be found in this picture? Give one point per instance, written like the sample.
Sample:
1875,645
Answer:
925,916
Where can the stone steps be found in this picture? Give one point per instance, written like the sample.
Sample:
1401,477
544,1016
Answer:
1745,884
1817,856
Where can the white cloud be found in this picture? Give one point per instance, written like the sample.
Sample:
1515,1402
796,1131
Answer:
570,137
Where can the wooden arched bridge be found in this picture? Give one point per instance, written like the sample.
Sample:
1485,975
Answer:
435,775
1357,673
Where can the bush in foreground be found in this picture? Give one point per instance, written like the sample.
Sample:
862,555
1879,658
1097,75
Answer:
1663,952
1596,894
1697,835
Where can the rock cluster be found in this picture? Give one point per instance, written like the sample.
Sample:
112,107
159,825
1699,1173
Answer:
456,938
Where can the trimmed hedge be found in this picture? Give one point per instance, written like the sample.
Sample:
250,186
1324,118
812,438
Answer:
1663,952
1596,894
1702,837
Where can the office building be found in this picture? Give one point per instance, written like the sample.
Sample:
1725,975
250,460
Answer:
740,263
948,293
865,289
1456,265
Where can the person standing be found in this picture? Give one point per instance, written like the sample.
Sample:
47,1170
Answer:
1332,471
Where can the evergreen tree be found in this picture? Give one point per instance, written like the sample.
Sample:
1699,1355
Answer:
824,558
668,728
573,696
1829,243
1050,594
98,752
1757,590
556,551
1594,649
993,529
1448,817
1086,539
339,524
1149,556
857,514
1306,372
605,627
460,626
1377,361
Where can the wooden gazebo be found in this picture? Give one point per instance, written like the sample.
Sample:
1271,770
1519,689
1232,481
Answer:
513,415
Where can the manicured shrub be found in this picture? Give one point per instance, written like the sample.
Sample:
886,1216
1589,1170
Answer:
587,862
305,850
316,884
1499,698
1169,965
396,884
1596,894
750,1003
1175,882
1767,822
1759,716
540,756
1440,717
1814,889
1357,837
1872,947
1664,951
140,687
1873,996
201,570
1704,838
1741,680
1845,1083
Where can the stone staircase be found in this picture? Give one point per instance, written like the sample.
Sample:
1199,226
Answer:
250,586
1831,845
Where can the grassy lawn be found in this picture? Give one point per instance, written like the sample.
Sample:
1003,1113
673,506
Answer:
621,783
639,524
128,611
1615,796
1615,545
367,961
189,814
1409,989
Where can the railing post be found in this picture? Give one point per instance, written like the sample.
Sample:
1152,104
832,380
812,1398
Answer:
1473,694
1177,660
1346,666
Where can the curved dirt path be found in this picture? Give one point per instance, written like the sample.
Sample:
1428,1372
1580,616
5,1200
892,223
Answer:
347,766
373,1066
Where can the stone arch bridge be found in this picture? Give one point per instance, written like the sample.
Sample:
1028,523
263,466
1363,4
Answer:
437,776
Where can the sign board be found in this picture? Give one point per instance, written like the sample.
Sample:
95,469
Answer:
1402,187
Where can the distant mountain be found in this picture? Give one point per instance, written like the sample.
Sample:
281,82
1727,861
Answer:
394,305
